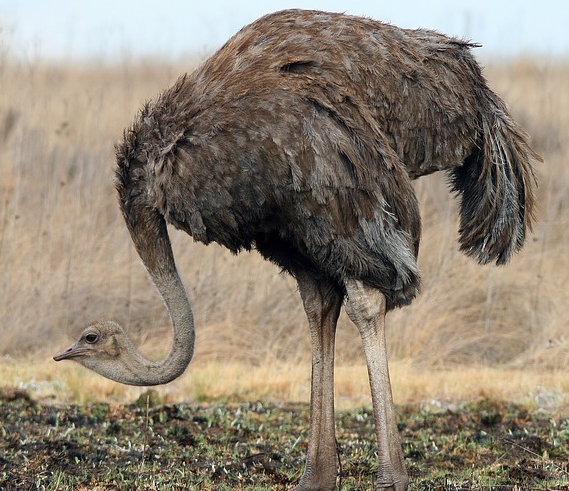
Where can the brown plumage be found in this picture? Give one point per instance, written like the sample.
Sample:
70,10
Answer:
300,138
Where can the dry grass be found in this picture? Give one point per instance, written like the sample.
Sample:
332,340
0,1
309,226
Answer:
67,260
285,381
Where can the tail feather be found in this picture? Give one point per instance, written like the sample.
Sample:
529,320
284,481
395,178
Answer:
497,187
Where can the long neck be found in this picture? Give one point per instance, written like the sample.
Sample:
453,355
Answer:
150,236
182,350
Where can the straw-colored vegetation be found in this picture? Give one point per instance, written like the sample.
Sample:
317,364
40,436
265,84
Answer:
66,258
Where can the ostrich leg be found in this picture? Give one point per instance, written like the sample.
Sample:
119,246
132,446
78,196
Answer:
366,309
322,303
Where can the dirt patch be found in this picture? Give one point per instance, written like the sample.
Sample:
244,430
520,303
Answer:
488,445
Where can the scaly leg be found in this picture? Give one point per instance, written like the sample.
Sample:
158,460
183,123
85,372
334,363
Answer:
322,303
366,309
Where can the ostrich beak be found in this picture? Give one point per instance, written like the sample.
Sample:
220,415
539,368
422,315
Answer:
73,352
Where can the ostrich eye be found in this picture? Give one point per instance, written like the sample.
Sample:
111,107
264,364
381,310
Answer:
91,338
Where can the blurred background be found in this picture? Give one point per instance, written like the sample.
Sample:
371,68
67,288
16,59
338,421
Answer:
109,30
73,74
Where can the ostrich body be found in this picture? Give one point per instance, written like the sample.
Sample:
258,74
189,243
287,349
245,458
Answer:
300,138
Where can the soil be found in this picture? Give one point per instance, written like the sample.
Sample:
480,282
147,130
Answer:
486,445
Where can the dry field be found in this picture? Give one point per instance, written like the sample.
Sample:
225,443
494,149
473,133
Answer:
66,259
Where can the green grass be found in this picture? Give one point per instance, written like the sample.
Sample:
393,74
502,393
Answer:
486,445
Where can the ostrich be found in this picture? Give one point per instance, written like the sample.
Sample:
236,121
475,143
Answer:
300,138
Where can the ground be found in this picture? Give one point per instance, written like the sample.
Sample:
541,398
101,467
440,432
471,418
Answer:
487,445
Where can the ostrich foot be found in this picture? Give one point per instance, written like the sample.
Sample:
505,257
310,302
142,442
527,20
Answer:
399,485
320,483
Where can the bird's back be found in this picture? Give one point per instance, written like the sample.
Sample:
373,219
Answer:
418,86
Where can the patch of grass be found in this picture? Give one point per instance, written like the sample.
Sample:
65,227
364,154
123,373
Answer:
482,445
489,445
68,382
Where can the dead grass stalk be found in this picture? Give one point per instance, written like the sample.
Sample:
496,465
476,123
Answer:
67,260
